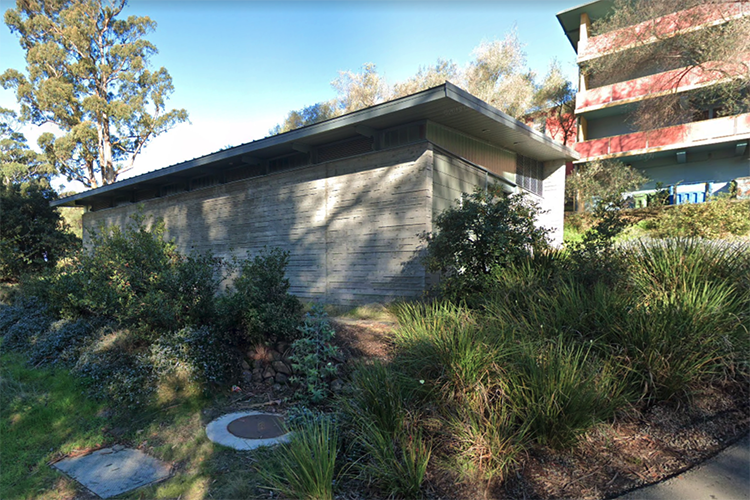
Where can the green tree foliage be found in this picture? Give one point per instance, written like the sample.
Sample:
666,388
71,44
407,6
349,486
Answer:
88,73
18,163
601,179
306,116
497,74
719,51
32,234
555,103
487,230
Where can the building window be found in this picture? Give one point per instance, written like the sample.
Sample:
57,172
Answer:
530,174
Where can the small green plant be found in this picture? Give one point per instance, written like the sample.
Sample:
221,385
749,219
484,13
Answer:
305,468
397,462
593,258
313,355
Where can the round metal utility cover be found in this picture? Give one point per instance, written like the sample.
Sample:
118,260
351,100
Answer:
257,427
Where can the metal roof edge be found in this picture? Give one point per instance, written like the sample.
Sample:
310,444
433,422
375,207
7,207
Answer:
473,102
349,119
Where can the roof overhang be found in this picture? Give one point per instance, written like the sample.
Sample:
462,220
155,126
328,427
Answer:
446,105
570,20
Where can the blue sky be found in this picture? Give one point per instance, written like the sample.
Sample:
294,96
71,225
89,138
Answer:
239,66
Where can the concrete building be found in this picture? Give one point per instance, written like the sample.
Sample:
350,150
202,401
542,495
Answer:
347,197
698,157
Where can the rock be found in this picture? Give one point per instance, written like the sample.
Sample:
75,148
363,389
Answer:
282,347
269,373
118,447
258,374
245,365
337,385
281,367
257,363
276,387
275,355
269,382
247,376
281,378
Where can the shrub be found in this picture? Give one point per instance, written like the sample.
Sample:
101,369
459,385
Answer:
397,461
305,467
112,368
312,355
682,338
486,230
22,323
203,353
261,302
719,218
62,342
131,275
33,236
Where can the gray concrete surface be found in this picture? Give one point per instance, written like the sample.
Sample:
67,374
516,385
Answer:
723,477
111,471
218,433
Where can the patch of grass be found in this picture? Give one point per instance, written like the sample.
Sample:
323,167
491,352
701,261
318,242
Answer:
370,312
42,414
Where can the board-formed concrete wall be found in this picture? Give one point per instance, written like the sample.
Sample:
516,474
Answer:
350,225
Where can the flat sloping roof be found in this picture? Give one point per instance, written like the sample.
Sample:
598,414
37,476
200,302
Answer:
570,19
446,104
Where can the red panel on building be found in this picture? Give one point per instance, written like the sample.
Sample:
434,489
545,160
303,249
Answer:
597,147
666,136
628,142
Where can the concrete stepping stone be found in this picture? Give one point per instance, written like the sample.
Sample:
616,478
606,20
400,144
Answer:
111,471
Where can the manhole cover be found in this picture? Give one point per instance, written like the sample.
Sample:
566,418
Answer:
257,427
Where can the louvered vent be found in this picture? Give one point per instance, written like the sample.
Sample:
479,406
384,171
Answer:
529,174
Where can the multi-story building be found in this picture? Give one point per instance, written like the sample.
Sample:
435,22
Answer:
700,155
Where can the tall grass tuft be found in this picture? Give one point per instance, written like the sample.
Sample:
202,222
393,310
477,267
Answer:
559,391
487,440
397,461
305,467
396,454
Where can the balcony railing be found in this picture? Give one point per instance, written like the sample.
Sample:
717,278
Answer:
662,27
678,80
679,136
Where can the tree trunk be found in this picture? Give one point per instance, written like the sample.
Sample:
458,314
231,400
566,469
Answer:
105,152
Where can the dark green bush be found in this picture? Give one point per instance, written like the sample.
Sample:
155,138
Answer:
208,357
260,301
33,236
133,276
22,323
488,229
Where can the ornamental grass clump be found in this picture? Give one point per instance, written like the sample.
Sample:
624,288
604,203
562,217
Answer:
381,408
305,467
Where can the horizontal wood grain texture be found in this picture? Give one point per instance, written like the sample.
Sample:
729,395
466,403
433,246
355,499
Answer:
350,225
